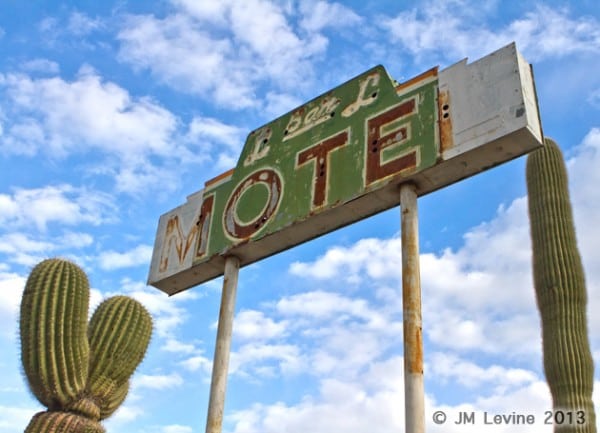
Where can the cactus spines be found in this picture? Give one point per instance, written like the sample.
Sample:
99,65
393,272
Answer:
79,372
111,402
62,422
115,355
560,287
55,304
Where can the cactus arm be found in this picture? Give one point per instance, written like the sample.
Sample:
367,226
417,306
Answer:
119,334
53,324
110,403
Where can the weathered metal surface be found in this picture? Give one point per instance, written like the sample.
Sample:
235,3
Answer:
445,121
414,397
340,158
218,384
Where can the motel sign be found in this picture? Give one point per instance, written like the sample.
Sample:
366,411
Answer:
340,158
363,147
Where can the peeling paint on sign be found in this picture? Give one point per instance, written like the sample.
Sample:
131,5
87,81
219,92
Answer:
339,158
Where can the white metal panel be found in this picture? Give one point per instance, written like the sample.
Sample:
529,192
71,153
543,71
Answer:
490,98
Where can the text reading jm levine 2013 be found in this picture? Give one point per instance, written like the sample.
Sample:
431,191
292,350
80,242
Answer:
556,417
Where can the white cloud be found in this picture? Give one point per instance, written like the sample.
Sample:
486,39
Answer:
253,325
350,263
324,327
11,289
15,418
82,25
447,366
594,98
176,346
138,141
210,11
41,65
477,297
140,255
205,138
25,249
75,240
96,298
73,31
124,414
87,112
185,57
157,381
583,176
198,362
166,312
321,305
60,204
374,401
530,399
278,103
320,14
251,359
202,129
48,25
12,243
59,118
542,33
256,43
177,428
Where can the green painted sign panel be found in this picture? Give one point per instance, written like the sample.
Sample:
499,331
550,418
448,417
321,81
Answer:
331,150
340,158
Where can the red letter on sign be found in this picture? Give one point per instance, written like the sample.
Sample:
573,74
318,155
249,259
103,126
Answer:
234,227
320,154
377,170
198,233
203,224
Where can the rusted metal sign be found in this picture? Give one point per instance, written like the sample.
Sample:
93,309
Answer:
340,158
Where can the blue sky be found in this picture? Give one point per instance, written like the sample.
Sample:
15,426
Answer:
112,113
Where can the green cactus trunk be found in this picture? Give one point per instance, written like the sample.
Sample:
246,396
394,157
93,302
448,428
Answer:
560,288
62,422
80,373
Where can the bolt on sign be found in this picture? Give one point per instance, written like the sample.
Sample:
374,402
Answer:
340,158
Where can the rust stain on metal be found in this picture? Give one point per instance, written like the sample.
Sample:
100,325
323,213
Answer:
411,282
445,121
174,238
412,320
218,178
431,73
319,154
376,170
215,425
203,225
414,349
232,223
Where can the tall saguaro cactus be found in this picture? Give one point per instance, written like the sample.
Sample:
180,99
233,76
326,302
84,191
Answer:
560,290
79,372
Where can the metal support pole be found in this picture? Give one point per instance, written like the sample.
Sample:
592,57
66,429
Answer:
414,394
218,384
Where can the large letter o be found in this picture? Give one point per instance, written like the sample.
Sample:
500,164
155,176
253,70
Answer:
237,229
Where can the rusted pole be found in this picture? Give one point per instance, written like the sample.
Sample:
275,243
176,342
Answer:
218,384
414,394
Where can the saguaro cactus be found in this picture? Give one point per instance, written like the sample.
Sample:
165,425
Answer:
560,291
79,372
